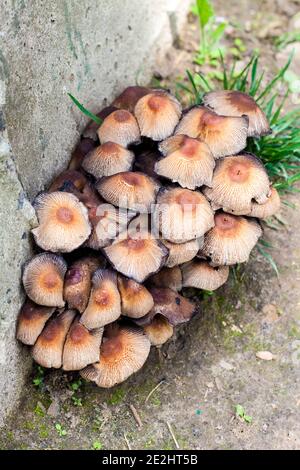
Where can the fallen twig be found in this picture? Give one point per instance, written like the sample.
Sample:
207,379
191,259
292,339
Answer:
136,416
153,390
127,442
173,435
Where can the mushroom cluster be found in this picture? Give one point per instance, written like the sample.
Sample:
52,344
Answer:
154,200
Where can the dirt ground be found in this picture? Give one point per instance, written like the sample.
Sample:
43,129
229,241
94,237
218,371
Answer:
212,365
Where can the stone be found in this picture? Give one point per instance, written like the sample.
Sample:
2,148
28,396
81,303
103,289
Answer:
264,355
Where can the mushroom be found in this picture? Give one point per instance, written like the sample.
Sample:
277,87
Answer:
43,279
237,181
135,298
267,209
91,129
182,252
130,96
120,127
199,274
187,161
236,103
48,349
182,215
129,190
31,321
63,222
136,257
68,177
108,159
231,240
82,347
104,304
84,146
224,135
159,331
168,277
123,352
157,114
77,284
145,162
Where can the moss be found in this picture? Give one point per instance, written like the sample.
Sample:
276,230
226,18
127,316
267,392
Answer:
294,332
116,396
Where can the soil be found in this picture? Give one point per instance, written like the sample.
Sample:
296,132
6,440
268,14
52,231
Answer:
212,364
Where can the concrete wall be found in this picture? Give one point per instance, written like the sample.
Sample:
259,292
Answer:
92,48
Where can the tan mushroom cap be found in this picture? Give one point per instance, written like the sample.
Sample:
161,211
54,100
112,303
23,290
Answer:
182,215
48,350
84,146
129,190
236,103
31,321
104,304
43,279
237,181
188,162
231,240
224,135
120,127
198,273
136,257
136,299
269,208
82,347
91,129
159,331
158,114
123,352
182,252
108,159
168,277
130,96
63,222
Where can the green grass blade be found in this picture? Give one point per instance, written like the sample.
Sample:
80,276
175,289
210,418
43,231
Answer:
269,258
86,111
277,77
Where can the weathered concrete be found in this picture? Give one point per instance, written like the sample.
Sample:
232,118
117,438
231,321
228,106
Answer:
91,48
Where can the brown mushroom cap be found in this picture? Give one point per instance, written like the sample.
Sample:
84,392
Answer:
63,222
231,240
129,190
104,304
236,103
31,321
123,352
108,159
267,209
130,96
182,215
85,146
189,162
199,274
224,135
168,277
43,279
48,350
157,114
182,252
72,177
136,257
120,127
159,331
136,299
82,347
237,181
91,129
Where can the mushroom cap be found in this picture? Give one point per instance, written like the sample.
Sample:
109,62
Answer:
48,349
43,279
168,277
159,331
236,103
267,209
104,304
224,135
130,96
84,146
182,252
136,257
136,300
182,215
31,321
189,162
91,129
129,190
123,352
237,181
231,240
198,273
157,114
120,127
72,177
77,285
63,222
108,159
82,347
